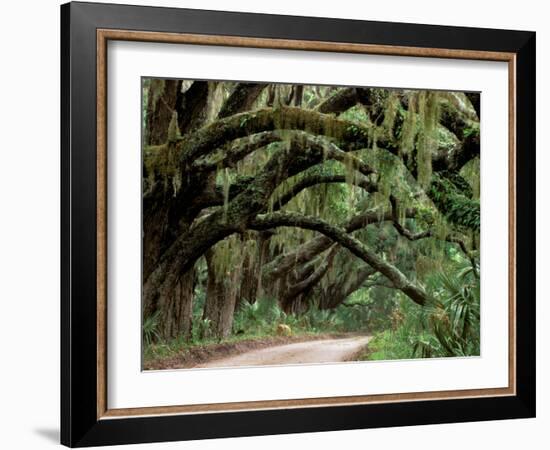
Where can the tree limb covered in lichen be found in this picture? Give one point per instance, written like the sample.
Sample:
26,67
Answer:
356,247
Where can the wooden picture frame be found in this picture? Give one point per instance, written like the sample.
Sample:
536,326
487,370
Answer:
86,418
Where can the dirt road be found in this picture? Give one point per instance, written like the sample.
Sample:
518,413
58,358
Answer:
310,352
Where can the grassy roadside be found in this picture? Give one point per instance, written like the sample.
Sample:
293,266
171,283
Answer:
386,345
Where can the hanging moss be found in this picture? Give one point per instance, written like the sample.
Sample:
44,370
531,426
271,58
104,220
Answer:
216,97
173,130
176,183
409,127
441,228
471,173
226,185
428,112
228,254
145,89
156,90
390,113
161,165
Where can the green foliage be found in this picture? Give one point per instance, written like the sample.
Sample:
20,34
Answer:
367,309
409,128
457,207
259,318
262,317
356,114
201,329
450,327
389,345
318,320
150,329
456,324
472,130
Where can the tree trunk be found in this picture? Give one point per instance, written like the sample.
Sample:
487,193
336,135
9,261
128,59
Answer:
176,310
298,95
191,107
160,107
221,298
166,215
336,293
250,281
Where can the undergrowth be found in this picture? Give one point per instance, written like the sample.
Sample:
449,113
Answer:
257,321
448,328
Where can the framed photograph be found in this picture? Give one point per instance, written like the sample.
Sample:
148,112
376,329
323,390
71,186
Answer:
277,224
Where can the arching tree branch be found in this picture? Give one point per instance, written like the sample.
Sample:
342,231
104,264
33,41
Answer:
337,293
232,152
347,98
348,134
253,199
454,117
315,179
281,265
399,280
401,229
317,149
305,284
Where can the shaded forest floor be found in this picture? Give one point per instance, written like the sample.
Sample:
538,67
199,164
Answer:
339,347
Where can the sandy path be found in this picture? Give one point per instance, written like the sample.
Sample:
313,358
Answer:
322,351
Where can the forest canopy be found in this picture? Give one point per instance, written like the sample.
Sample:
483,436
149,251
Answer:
323,208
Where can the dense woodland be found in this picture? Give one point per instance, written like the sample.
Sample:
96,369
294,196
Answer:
328,209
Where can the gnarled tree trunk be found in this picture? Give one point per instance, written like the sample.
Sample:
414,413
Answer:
221,297
176,309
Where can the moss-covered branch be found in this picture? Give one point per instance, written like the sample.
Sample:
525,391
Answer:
401,229
347,98
456,116
312,279
232,152
356,247
316,179
306,252
233,217
348,134
336,293
314,149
